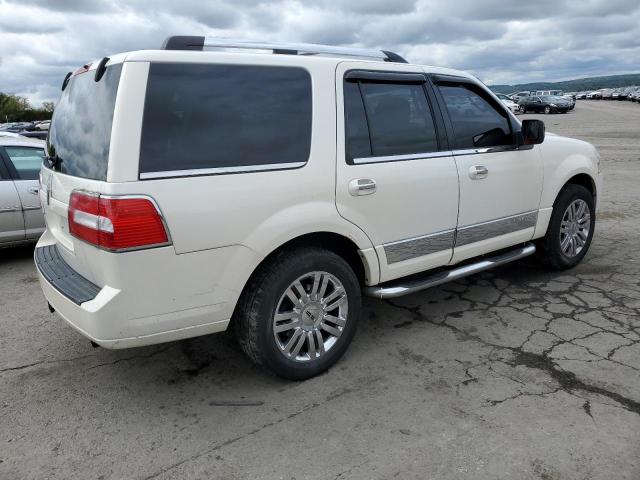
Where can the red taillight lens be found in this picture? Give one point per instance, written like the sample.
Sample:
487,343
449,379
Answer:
116,223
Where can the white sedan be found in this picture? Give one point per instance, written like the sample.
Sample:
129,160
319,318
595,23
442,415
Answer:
511,105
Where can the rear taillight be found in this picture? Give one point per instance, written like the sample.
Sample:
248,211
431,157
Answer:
116,223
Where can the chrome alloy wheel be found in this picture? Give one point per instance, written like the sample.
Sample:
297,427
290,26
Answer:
310,316
575,227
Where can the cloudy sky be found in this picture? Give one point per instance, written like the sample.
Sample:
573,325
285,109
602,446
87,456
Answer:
506,41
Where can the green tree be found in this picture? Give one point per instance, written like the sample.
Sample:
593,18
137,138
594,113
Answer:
14,108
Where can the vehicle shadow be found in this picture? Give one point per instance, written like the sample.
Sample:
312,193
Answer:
17,253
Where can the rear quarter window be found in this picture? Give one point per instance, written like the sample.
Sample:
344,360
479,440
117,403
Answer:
205,119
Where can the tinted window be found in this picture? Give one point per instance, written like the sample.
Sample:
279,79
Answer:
476,122
357,131
399,117
217,116
26,160
80,130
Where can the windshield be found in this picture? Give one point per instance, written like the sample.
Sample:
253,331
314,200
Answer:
80,132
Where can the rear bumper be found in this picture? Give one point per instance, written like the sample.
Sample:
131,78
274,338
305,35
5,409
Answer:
140,312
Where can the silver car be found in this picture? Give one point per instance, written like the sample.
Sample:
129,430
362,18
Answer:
21,218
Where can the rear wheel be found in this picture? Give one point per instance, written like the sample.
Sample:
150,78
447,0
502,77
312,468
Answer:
570,229
299,312
547,110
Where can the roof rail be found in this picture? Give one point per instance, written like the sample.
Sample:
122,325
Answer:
182,42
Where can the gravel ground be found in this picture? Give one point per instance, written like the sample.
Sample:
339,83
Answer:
518,373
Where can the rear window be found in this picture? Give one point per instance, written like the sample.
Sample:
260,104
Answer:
201,119
80,130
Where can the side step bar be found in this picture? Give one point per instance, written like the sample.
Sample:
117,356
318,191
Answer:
405,286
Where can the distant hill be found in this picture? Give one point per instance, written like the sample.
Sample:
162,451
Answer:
581,84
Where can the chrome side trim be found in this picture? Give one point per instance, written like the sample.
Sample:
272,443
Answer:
493,228
399,158
418,246
218,171
405,286
470,151
11,209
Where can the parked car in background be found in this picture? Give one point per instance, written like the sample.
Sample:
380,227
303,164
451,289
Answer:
43,125
549,93
516,97
545,104
607,94
21,217
16,127
595,95
183,221
511,105
37,134
581,96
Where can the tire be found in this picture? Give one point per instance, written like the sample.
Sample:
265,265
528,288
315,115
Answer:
523,110
547,110
265,295
550,247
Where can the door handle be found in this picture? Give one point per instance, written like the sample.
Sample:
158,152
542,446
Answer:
33,190
478,172
362,186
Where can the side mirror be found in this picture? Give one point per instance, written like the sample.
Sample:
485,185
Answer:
532,132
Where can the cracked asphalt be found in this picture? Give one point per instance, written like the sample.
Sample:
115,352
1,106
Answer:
517,373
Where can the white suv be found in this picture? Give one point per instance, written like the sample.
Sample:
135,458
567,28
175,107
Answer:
186,190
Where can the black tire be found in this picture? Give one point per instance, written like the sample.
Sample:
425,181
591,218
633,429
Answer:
523,110
549,249
547,110
253,317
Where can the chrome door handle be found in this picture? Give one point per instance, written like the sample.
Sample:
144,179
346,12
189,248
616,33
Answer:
33,190
362,186
478,172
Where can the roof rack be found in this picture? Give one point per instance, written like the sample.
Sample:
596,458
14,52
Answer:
182,42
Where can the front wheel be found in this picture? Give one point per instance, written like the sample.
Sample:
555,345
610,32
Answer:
570,229
298,314
547,110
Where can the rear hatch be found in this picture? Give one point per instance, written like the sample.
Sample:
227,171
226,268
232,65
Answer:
77,157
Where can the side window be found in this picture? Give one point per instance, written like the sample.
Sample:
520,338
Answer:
399,119
357,131
26,160
476,121
228,117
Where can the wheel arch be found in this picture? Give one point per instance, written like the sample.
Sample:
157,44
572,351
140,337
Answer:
366,270
583,179
337,243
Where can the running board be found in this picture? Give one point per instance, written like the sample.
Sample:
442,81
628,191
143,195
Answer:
405,286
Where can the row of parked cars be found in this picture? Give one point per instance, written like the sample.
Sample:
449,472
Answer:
540,101
27,129
631,94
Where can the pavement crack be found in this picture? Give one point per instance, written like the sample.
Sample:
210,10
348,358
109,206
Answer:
329,398
45,362
567,380
133,357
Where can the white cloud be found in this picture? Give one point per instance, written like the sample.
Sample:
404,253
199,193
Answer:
501,42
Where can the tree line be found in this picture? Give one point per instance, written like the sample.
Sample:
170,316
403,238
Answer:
14,108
